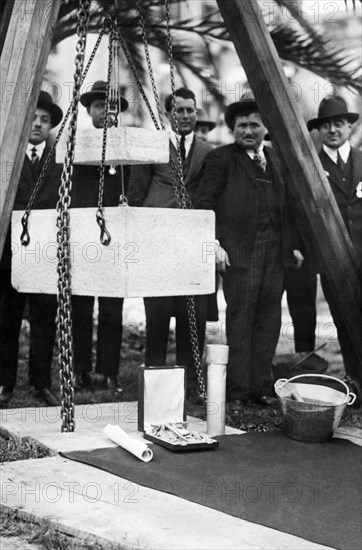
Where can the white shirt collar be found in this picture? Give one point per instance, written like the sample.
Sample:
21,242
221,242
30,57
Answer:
251,152
188,140
39,149
344,151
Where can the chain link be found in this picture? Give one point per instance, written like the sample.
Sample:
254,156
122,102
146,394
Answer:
25,237
184,202
64,259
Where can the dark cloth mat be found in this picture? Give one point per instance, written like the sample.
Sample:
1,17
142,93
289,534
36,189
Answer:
309,490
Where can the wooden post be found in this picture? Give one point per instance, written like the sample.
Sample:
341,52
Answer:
23,62
259,58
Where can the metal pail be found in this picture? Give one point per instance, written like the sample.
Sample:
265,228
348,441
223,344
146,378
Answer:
312,406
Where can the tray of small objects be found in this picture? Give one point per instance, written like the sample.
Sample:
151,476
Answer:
177,437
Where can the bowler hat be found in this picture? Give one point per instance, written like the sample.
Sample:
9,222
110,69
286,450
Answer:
333,107
45,101
203,120
99,91
246,104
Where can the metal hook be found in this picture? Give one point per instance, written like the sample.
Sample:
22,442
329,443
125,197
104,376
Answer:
25,237
105,237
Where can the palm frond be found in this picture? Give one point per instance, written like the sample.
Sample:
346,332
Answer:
300,43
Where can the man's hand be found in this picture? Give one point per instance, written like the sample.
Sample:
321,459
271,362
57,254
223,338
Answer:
222,258
298,258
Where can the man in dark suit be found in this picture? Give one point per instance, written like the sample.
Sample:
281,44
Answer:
42,307
110,319
242,182
151,185
343,166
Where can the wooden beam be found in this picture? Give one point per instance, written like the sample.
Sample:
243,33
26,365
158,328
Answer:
259,58
23,62
6,8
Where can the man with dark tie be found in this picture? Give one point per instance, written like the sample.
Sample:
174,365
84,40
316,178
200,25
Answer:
343,166
42,307
151,185
242,182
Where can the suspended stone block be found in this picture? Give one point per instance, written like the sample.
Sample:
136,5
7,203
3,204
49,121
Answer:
125,145
153,252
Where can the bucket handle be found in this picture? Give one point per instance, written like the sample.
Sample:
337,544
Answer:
351,397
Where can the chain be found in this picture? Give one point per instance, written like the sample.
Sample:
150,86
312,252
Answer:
64,279
177,173
105,237
25,237
149,64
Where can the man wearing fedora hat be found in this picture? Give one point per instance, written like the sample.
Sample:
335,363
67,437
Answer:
343,166
42,307
242,182
109,331
203,125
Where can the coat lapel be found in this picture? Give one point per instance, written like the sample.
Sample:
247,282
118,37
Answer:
332,170
356,157
244,161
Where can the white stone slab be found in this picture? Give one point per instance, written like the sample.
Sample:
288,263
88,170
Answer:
125,145
153,252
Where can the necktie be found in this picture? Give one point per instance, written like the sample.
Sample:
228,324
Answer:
182,147
340,162
259,161
34,156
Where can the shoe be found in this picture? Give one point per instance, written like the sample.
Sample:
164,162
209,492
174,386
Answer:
6,394
82,381
265,400
111,383
45,394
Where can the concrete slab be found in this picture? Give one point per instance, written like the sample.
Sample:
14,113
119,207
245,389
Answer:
42,424
81,500
87,502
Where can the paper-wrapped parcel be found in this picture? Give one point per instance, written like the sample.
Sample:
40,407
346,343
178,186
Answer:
137,448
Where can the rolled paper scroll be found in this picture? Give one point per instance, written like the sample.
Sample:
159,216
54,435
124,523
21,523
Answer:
137,448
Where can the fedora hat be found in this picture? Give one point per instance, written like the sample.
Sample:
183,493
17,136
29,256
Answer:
333,107
203,120
45,101
99,91
246,104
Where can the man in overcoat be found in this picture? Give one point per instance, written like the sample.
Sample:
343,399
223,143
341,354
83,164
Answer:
242,182
343,166
42,307
110,319
151,186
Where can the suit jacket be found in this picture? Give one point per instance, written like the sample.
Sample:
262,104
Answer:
229,187
350,205
47,196
86,185
151,184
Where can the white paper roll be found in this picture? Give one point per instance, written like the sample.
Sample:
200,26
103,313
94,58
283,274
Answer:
216,390
137,448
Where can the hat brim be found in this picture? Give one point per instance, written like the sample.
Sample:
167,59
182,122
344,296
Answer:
315,122
87,98
239,107
56,114
211,125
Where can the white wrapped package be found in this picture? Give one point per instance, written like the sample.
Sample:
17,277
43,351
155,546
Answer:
137,448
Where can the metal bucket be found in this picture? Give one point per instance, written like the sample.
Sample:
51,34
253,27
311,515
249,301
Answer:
312,406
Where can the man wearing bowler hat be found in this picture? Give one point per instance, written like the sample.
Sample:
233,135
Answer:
42,307
109,332
203,125
243,183
343,166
